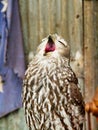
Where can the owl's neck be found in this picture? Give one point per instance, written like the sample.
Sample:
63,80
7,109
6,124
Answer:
51,61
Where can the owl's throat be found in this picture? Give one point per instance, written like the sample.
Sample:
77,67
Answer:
50,46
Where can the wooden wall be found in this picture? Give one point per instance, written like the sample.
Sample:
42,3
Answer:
77,22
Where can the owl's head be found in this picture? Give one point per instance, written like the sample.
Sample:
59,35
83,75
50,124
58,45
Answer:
53,45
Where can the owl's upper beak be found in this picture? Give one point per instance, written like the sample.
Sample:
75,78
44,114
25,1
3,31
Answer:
50,40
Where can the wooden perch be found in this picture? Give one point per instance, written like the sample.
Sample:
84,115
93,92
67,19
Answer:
92,107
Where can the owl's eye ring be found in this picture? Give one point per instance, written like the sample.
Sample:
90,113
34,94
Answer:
62,43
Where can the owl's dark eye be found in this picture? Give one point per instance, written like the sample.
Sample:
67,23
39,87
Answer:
62,43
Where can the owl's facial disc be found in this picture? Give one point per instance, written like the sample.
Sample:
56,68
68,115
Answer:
50,46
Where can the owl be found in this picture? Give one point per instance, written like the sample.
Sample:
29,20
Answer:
51,96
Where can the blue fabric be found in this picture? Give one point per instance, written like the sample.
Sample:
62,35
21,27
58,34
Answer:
12,64
2,36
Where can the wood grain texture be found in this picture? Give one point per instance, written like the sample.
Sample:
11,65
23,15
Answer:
77,22
90,51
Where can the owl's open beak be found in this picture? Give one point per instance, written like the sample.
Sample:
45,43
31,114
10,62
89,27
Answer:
50,46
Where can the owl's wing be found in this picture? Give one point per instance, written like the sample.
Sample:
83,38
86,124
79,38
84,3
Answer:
72,112
77,97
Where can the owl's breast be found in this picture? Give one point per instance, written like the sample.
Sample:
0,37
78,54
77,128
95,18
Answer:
50,104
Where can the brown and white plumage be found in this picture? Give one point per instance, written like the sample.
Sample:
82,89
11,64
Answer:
51,95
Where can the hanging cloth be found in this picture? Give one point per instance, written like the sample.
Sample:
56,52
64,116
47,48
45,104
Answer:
12,66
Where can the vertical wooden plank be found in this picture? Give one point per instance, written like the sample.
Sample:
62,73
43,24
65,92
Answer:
33,24
95,12
23,6
64,20
70,12
44,18
96,39
39,18
89,50
58,17
89,53
52,10
75,30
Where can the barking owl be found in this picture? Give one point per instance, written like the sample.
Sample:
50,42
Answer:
51,96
